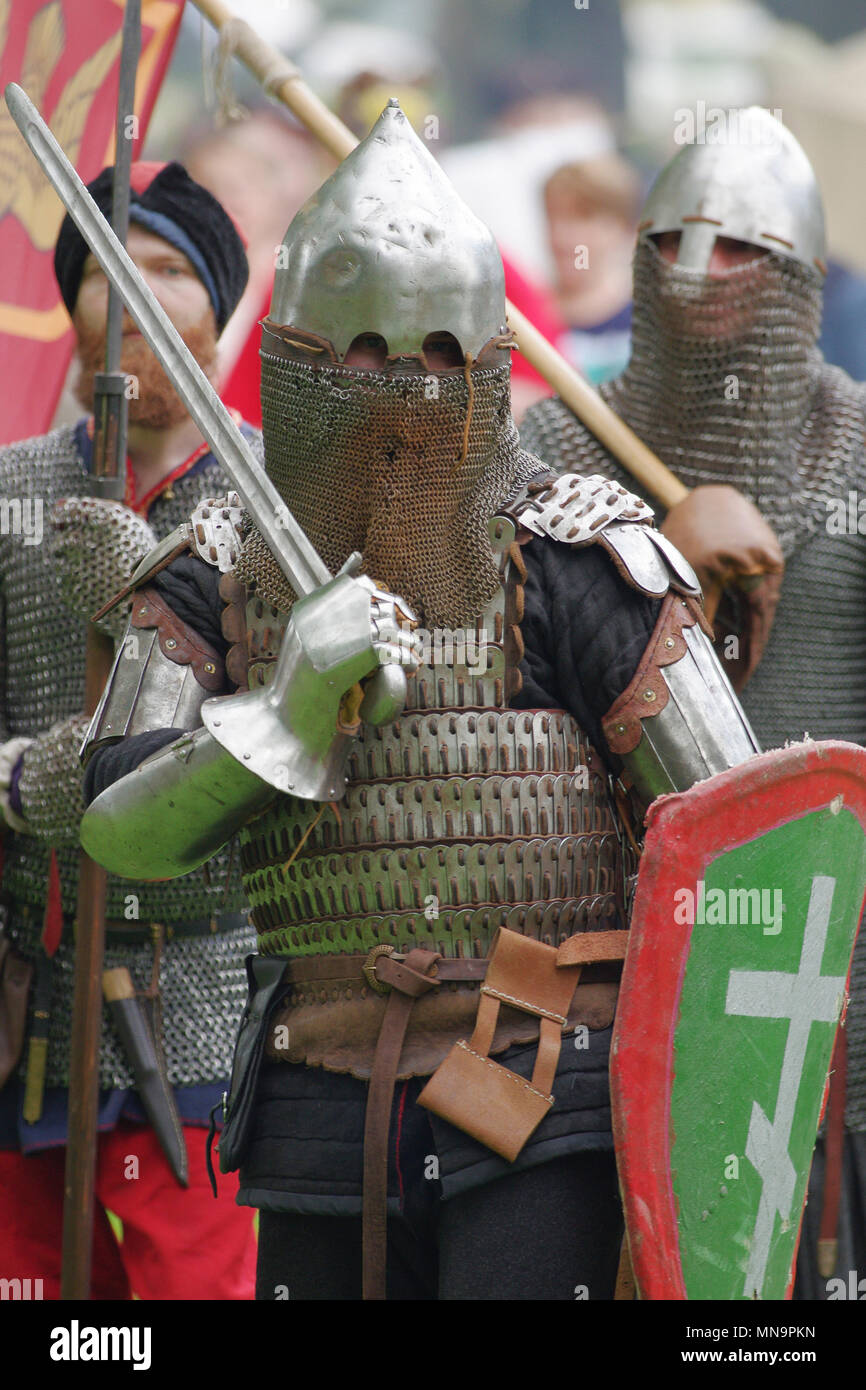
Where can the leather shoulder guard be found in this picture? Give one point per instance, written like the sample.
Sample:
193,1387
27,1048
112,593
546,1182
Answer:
212,533
578,511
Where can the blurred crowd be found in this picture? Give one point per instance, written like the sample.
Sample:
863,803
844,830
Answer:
555,174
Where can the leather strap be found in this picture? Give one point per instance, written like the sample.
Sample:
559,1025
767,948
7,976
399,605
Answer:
828,1243
409,979
303,969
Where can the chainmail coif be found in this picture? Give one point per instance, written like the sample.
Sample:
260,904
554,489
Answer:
374,462
726,385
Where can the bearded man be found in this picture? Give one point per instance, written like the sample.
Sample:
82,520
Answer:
184,942
396,858
726,384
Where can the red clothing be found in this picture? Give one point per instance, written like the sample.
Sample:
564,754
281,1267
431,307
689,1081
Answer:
178,1243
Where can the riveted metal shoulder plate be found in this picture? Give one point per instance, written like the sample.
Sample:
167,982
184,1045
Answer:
216,531
574,510
580,511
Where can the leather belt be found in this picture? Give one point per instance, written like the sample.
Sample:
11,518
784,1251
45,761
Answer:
308,969
133,931
139,933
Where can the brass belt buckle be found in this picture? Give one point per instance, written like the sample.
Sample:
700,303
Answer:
368,969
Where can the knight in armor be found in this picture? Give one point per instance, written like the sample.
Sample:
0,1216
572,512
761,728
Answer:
441,894
182,942
726,384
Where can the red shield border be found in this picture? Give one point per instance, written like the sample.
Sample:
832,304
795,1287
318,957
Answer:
685,832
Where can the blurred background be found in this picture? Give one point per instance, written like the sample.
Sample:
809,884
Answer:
552,117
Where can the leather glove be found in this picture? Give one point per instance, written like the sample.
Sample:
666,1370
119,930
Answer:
736,554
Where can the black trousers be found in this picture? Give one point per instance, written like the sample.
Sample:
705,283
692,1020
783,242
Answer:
550,1233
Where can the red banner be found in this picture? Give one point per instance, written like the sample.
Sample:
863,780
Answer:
66,56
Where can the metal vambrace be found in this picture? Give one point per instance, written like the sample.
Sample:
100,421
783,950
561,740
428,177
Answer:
174,811
179,806
678,721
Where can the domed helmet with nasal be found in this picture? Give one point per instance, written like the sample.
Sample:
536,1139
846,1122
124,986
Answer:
385,380
725,381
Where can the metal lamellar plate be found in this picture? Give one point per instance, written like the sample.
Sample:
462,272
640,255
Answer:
335,903
459,819
431,745
465,933
451,808
215,527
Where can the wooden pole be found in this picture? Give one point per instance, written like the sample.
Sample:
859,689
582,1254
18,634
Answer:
283,80
80,1171
109,478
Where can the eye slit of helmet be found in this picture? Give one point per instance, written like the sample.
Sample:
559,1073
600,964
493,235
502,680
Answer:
367,350
667,244
728,252
442,352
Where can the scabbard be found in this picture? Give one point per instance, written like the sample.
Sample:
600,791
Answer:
137,1034
37,1049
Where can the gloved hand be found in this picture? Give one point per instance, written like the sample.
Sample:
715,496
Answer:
296,733
96,545
735,553
723,535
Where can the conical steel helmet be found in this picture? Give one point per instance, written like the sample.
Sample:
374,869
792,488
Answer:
748,179
386,246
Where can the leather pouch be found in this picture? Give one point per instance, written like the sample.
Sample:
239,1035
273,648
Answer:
480,1096
16,976
265,979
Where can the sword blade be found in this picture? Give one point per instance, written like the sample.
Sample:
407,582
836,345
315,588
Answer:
297,557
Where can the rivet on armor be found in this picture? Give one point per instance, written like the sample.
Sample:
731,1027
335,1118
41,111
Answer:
669,642
171,644
620,728
209,667
649,696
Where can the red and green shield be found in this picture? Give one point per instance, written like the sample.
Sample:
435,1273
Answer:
749,897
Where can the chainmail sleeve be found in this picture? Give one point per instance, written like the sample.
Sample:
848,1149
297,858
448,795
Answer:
49,785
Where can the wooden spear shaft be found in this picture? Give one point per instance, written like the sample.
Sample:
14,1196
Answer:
109,477
283,80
